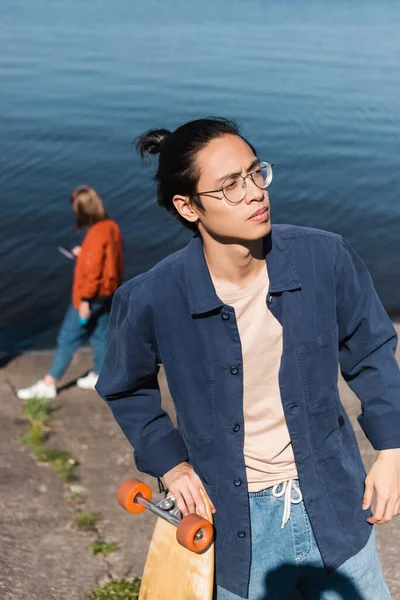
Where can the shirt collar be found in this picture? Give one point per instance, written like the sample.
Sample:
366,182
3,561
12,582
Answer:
201,293
282,272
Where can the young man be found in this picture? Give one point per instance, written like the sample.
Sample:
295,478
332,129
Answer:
250,323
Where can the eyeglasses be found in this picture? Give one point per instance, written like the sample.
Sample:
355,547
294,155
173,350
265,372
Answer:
234,187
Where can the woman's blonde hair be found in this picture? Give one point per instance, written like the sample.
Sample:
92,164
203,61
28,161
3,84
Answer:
88,207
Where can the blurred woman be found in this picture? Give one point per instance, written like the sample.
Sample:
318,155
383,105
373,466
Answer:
98,273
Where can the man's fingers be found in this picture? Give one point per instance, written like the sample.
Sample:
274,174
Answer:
189,499
187,496
188,490
389,512
397,508
368,493
201,507
181,503
198,493
379,510
203,491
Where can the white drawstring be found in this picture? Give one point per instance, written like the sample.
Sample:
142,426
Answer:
286,490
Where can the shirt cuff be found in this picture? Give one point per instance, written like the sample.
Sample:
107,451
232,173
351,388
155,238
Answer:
163,455
383,431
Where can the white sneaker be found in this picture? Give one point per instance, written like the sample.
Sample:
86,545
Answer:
38,390
88,382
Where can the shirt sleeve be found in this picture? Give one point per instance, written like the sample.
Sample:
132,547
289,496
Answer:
92,264
368,343
128,383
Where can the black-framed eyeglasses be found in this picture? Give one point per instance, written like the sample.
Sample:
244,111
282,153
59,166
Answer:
234,187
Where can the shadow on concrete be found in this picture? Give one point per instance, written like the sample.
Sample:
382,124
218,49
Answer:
70,384
7,357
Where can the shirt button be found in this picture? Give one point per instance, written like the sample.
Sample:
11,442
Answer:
241,534
237,482
236,427
234,370
225,316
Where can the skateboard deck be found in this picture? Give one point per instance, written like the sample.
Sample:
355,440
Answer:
172,571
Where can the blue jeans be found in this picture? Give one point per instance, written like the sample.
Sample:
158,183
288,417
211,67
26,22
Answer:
72,334
287,565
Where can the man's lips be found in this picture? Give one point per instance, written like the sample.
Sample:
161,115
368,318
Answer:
260,211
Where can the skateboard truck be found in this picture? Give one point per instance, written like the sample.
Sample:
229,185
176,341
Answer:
167,509
193,532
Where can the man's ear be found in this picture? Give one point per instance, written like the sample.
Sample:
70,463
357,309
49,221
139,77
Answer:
185,208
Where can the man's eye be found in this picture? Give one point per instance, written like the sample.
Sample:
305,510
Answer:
258,176
230,185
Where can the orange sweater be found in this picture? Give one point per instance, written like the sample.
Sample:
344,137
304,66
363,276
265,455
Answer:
99,267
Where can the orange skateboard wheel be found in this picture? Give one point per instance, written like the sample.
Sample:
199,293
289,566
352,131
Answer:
129,490
186,533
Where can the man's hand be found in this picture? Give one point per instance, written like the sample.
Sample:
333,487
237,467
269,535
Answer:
185,485
84,310
384,479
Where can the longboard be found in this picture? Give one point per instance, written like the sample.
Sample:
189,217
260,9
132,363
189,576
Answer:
180,560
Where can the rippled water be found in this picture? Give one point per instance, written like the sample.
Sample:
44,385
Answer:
315,86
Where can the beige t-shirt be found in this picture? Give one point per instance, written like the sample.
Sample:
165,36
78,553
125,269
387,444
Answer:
267,448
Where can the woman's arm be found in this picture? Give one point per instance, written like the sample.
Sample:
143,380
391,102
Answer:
91,265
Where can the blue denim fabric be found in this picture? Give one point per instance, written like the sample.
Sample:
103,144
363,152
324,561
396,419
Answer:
287,564
72,334
323,296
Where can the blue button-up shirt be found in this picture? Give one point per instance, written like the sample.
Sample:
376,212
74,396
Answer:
323,296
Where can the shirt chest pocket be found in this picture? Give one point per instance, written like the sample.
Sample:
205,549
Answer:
318,361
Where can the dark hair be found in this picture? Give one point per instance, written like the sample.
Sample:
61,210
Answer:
177,172
88,207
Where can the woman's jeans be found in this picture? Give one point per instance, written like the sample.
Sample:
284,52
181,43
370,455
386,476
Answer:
72,334
287,565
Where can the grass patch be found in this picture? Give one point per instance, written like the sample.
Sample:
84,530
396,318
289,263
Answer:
38,413
49,455
38,410
86,521
34,437
104,548
117,589
65,469
75,498
59,460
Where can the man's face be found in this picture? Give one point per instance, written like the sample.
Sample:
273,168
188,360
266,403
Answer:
221,158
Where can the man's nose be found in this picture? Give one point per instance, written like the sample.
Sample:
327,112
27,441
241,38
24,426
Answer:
253,192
